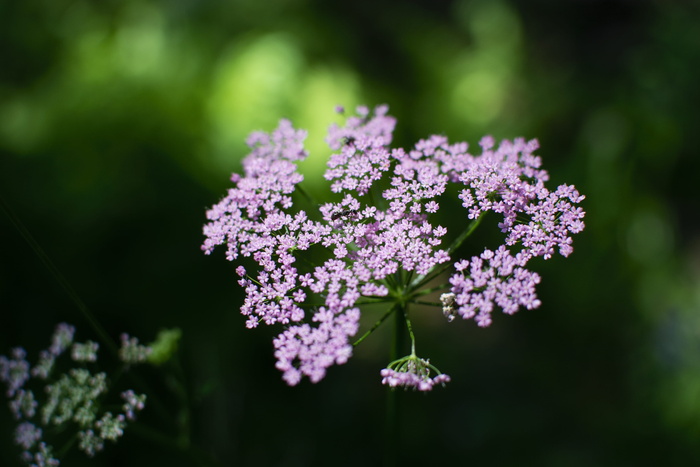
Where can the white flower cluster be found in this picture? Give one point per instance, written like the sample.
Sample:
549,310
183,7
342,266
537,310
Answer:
72,400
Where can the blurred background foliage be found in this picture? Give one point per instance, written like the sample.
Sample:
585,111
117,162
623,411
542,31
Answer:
121,120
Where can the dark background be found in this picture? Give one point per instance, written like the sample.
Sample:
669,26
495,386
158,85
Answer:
120,122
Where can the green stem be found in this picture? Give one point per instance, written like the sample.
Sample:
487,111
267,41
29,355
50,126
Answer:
423,292
410,330
392,422
65,285
306,195
63,450
376,325
467,232
371,300
421,302
399,331
391,428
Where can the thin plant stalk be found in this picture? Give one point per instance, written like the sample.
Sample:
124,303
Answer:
59,277
392,422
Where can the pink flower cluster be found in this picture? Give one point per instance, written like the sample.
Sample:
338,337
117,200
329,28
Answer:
493,278
412,372
313,269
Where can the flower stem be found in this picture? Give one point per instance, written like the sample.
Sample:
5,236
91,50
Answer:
376,325
60,278
410,330
421,302
465,234
423,292
310,199
392,423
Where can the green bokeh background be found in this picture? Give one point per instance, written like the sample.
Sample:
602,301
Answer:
120,122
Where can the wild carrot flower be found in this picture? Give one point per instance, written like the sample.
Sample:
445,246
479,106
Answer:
314,268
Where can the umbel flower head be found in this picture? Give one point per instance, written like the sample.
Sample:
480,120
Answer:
68,401
312,269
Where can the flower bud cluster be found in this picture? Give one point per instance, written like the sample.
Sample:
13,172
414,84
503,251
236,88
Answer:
412,372
71,401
